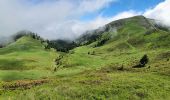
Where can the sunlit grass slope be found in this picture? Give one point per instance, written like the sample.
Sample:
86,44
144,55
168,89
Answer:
125,47
25,55
99,72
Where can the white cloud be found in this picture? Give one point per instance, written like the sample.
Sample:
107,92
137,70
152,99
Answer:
49,18
55,19
80,27
93,5
160,12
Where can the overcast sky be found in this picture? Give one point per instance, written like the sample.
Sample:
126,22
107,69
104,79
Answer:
58,19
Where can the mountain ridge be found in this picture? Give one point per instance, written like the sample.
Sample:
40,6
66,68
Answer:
89,37
148,25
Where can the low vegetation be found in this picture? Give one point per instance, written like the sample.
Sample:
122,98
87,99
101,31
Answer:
129,65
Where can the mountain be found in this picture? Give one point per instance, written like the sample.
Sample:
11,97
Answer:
130,29
133,35
126,59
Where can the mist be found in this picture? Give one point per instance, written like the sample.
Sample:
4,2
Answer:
61,19
51,19
160,12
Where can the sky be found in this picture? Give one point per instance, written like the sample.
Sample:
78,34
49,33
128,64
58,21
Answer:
68,19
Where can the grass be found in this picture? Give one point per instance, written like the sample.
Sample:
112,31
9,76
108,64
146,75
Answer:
98,85
26,59
88,72
9,75
26,53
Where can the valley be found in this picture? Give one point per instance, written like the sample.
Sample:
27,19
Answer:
99,67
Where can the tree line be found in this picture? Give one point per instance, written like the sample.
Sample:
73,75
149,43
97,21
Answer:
59,45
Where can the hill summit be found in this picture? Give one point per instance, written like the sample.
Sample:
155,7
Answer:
133,29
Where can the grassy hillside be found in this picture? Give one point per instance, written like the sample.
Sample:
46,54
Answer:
124,46
101,69
23,58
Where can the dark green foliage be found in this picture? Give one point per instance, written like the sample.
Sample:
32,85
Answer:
102,42
1,46
27,33
47,47
88,53
89,37
149,66
19,35
61,45
143,61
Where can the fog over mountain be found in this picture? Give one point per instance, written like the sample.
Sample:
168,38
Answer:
61,19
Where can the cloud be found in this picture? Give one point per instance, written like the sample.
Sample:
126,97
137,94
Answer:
160,12
93,5
54,19
50,18
80,27
74,28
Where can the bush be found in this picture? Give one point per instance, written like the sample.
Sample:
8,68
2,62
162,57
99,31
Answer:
1,46
102,42
88,53
143,61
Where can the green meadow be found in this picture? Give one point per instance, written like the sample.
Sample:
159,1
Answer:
90,72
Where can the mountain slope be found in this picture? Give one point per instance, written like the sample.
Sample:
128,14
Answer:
134,30
26,53
102,67
120,41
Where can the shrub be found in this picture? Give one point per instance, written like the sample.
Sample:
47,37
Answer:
1,46
143,61
101,42
88,53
